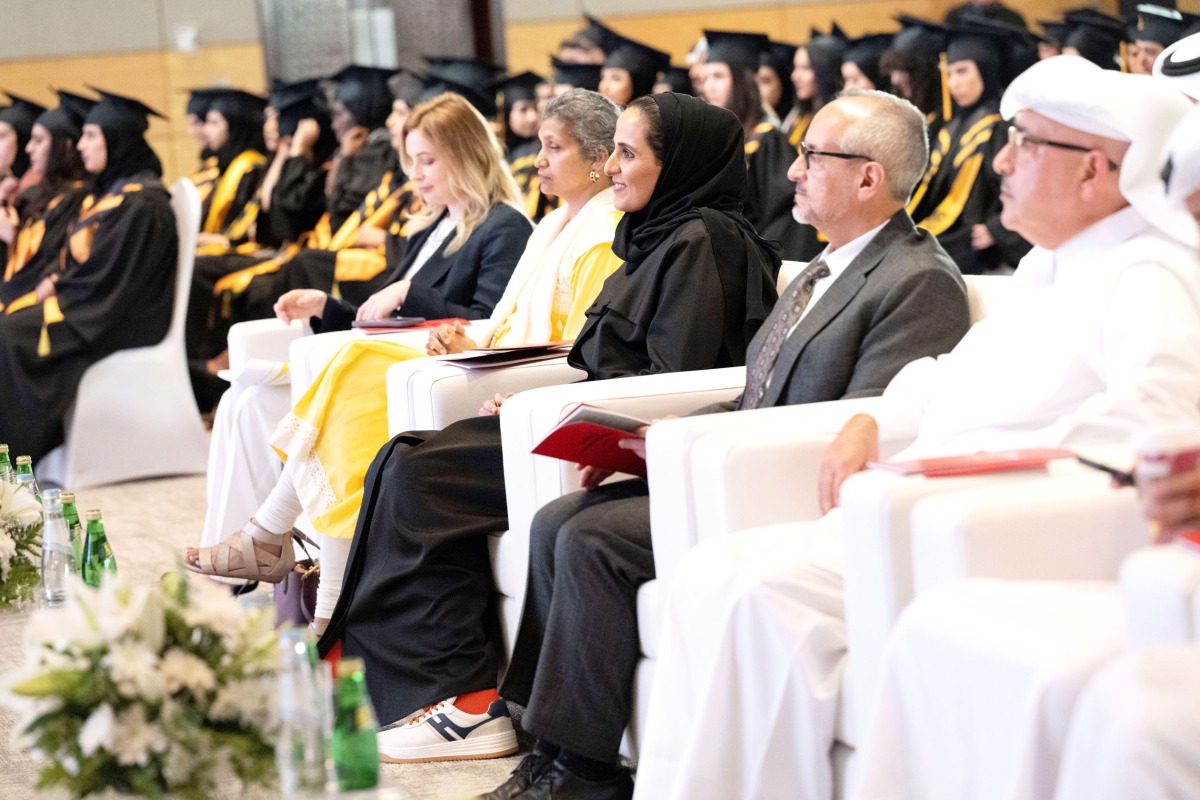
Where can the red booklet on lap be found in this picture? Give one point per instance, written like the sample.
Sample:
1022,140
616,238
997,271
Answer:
591,436
974,463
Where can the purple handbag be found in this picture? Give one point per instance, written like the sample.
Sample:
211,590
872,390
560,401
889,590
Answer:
296,594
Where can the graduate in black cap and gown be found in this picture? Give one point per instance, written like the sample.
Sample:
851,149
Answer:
959,199
860,62
679,80
1153,30
630,70
116,287
233,129
816,79
912,67
521,117
728,82
207,172
1095,36
33,229
774,78
361,105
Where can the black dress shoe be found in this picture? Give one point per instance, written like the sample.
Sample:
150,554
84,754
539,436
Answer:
559,783
528,771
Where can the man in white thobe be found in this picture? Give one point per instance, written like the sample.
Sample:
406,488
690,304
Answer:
1101,337
983,676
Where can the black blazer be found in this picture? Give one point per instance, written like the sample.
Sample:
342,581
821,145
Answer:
466,283
901,299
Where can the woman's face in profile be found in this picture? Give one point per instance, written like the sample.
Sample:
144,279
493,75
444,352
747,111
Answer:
428,171
8,147
617,85
216,130
632,165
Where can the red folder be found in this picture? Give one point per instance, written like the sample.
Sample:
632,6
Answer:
974,463
591,436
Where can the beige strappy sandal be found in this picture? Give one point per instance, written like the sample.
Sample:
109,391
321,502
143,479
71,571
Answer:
259,565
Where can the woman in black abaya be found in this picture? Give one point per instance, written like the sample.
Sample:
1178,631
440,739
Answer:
416,602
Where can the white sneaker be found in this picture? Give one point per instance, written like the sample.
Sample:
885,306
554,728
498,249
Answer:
447,733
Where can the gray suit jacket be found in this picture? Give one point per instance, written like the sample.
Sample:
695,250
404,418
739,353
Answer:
901,299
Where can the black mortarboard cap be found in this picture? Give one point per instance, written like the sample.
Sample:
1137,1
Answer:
298,101
600,34
408,85
238,104
639,59
865,52
679,79
918,37
464,71
580,76
1096,36
121,113
519,87
67,120
484,102
737,48
1012,48
364,92
21,114
1054,32
199,101
1157,24
779,57
285,94
836,32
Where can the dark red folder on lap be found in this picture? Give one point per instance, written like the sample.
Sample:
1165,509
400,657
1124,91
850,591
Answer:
591,436
975,463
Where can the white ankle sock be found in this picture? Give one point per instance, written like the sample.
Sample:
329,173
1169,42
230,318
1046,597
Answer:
334,553
281,509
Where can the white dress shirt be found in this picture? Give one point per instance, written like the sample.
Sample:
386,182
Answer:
837,261
1100,338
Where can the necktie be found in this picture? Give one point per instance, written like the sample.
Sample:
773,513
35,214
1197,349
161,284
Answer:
793,302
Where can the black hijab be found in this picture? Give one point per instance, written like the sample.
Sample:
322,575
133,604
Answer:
245,133
704,177
128,154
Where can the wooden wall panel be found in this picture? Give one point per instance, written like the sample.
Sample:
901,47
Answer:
160,79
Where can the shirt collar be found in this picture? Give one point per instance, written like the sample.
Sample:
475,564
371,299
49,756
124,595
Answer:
1083,249
839,259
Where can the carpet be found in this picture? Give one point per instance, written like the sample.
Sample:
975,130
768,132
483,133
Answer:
148,524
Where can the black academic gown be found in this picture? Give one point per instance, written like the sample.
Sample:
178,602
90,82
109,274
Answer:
961,189
416,600
358,175
770,194
37,247
115,293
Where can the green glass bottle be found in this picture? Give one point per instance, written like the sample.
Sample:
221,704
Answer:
6,468
355,753
98,558
25,476
71,515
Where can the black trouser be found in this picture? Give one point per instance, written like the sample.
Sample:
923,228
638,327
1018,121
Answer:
417,600
577,648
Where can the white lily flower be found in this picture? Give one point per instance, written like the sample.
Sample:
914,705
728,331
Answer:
97,732
135,738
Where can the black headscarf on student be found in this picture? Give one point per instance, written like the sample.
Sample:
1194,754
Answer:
704,177
982,52
128,154
245,133
21,119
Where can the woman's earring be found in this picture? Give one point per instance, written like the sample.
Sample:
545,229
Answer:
593,176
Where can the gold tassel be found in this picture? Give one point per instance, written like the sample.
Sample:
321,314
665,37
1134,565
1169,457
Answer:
944,69
44,342
1124,56
336,292
226,305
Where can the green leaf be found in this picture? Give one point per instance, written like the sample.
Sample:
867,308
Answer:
48,684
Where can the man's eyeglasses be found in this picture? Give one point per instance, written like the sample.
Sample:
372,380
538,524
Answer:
1019,139
808,153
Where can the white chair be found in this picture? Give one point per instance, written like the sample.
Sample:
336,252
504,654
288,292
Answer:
134,415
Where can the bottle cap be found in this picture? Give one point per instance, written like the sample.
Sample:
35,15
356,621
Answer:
92,514
3,448
23,460
68,497
51,497
349,666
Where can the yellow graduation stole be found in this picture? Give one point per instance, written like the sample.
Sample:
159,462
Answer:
967,161
227,188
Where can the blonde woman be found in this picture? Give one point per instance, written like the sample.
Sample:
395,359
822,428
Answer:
336,429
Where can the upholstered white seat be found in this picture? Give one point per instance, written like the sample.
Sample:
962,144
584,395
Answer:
134,414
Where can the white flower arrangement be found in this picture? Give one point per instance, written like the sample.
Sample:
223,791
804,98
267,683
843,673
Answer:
159,691
20,544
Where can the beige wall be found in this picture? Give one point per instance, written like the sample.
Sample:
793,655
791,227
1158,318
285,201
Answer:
535,27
